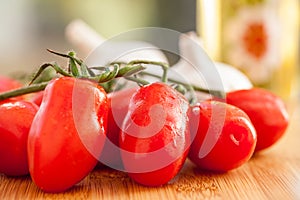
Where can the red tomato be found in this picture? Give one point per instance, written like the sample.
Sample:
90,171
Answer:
67,134
155,137
118,108
266,111
37,98
7,84
225,137
15,121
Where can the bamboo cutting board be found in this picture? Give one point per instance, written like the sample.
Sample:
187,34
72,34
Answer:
272,174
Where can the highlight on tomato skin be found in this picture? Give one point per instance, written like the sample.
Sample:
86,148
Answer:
225,137
266,111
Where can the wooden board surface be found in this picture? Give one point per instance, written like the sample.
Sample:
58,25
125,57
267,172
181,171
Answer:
273,174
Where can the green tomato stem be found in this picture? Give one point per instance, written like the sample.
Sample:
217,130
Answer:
54,66
216,93
130,70
165,67
137,80
106,77
24,90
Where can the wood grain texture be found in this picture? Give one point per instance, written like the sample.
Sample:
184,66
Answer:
272,174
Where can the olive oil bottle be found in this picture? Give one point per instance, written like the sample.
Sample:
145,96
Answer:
259,37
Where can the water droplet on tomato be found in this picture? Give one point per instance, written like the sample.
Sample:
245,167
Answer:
174,144
236,138
196,110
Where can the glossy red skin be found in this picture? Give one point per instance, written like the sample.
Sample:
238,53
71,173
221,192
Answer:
15,121
171,141
229,133
37,98
266,111
118,108
58,159
7,84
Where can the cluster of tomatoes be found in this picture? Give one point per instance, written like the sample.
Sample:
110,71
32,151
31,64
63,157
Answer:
61,134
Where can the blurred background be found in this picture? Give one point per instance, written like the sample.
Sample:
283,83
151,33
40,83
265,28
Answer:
28,27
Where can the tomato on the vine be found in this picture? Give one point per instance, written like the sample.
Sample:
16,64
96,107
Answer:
67,134
225,137
118,108
155,137
266,111
15,121
7,84
37,98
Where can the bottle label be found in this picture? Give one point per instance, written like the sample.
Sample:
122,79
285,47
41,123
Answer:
251,38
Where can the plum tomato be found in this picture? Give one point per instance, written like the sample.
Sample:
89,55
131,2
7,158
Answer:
16,117
155,138
118,108
67,134
225,137
267,112
7,83
37,97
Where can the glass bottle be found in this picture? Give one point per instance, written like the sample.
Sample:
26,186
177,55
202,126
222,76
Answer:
259,37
